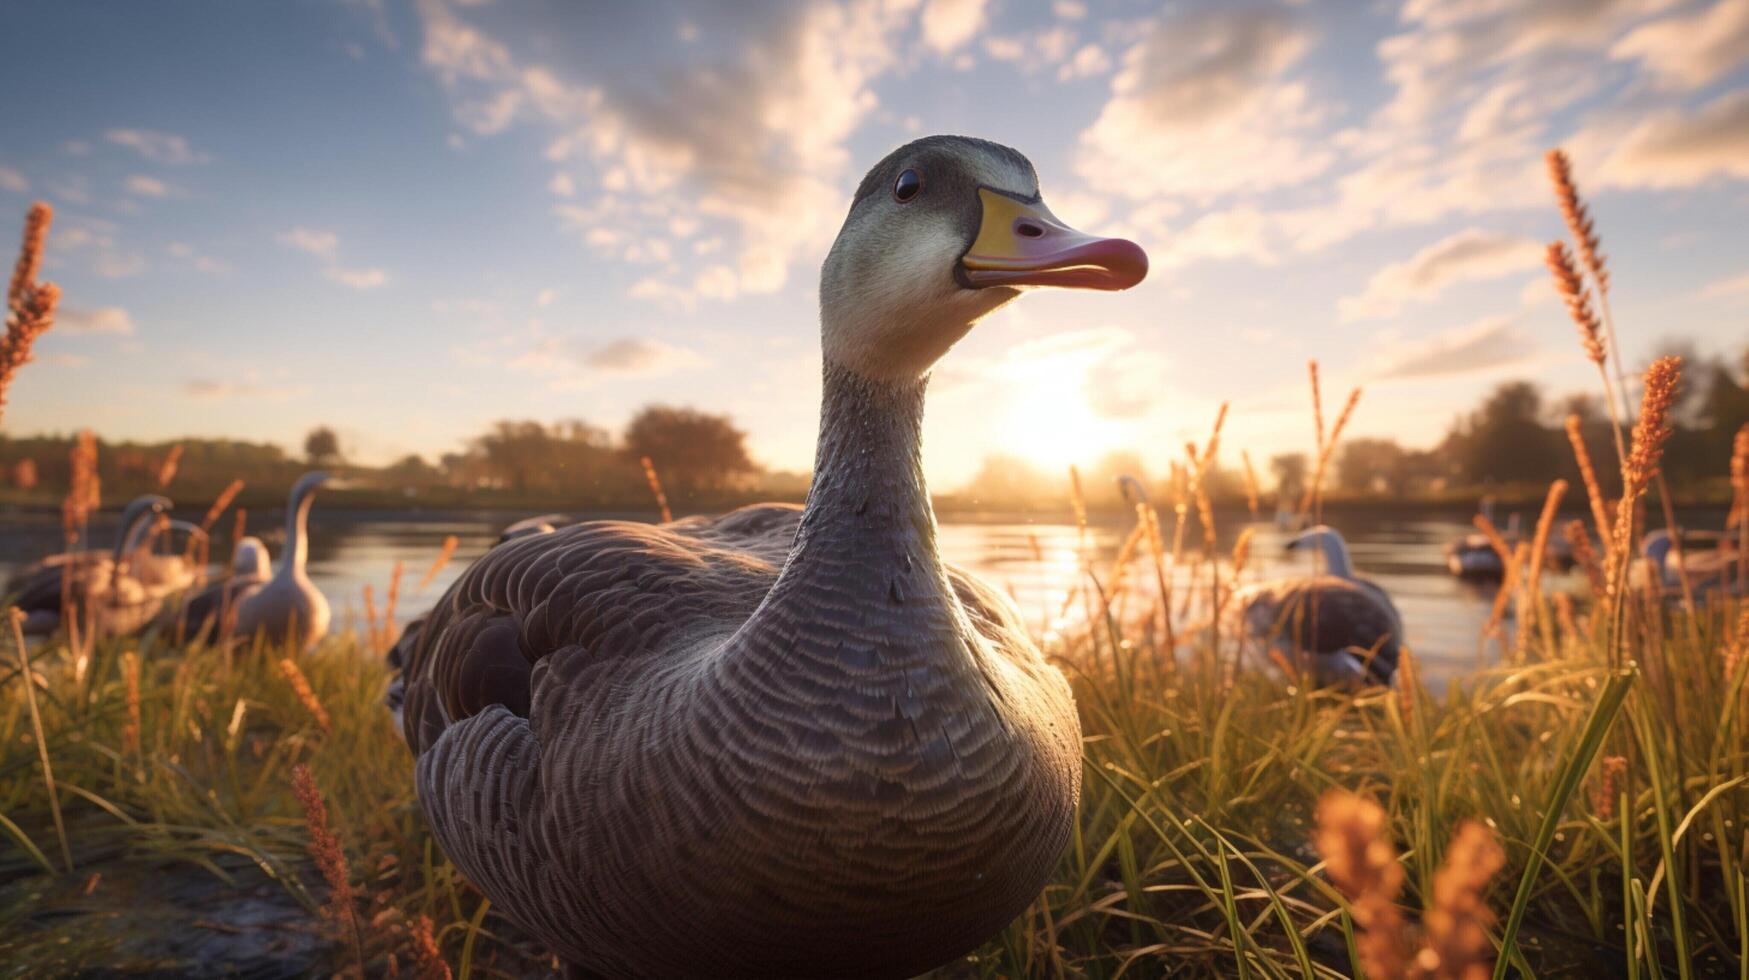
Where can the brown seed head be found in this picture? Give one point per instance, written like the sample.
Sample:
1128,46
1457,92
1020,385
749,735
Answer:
1578,300
30,254
1578,216
1456,945
1606,785
1359,858
1652,426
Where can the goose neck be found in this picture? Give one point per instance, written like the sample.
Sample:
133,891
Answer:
297,521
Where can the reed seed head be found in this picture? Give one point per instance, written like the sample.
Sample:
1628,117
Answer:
1606,785
300,686
1652,426
1358,857
1578,299
1455,943
1577,216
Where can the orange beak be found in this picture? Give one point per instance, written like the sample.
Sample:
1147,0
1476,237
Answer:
1021,244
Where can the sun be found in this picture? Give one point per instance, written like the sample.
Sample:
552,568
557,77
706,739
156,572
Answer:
1048,422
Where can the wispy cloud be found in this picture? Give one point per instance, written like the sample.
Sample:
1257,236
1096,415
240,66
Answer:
165,148
1489,344
103,319
357,278
141,185
247,385
573,361
1471,254
1692,49
1734,286
1679,149
323,243
12,180
947,24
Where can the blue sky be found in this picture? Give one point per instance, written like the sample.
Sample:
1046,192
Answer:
407,220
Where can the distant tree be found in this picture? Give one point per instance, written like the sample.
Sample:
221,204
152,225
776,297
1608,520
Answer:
1377,465
691,450
1505,440
322,446
411,470
1290,471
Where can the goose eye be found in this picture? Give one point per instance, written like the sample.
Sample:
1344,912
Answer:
907,186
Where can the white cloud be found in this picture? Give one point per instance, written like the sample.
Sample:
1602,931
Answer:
746,136
1734,286
1471,254
574,360
947,24
1089,60
322,243
1202,107
12,180
166,148
357,278
188,253
246,384
144,186
1675,149
1489,344
562,185
104,319
1690,50
1069,9
118,265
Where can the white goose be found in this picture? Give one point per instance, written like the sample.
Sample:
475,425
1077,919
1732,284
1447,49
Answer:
288,608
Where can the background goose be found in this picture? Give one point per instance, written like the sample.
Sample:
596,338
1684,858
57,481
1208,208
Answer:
1710,571
199,615
781,742
288,608
1337,627
93,578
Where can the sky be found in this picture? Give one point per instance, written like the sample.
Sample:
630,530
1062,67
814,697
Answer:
407,220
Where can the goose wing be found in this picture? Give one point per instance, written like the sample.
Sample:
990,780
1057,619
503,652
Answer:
1324,615
605,589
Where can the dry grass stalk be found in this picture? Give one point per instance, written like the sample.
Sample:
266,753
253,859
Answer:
167,468
370,616
1593,489
1740,497
656,488
1584,555
1408,683
1539,550
443,556
30,304
427,961
1606,786
1495,540
1578,217
1564,614
222,501
1317,405
1250,483
325,850
386,632
130,675
1241,551
28,678
1455,944
1573,292
84,488
1515,565
1326,451
1359,858
30,253
300,686
1652,426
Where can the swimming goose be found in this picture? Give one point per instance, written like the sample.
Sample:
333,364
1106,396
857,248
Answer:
100,579
209,606
1339,628
288,608
782,742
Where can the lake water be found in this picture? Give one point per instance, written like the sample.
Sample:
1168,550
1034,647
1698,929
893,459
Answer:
1037,560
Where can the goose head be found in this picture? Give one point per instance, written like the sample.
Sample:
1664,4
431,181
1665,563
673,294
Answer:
136,519
1656,547
249,558
1329,542
941,233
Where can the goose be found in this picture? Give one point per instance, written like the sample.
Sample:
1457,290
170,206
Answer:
1710,572
783,742
100,579
1339,628
208,607
288,608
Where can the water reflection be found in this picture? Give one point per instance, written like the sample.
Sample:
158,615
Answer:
1039,563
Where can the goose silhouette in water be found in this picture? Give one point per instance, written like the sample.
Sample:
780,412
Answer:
287,608
1334,626
782,742
102,583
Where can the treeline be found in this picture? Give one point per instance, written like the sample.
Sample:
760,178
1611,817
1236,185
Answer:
700,458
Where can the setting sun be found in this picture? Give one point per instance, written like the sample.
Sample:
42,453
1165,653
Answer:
1049,422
